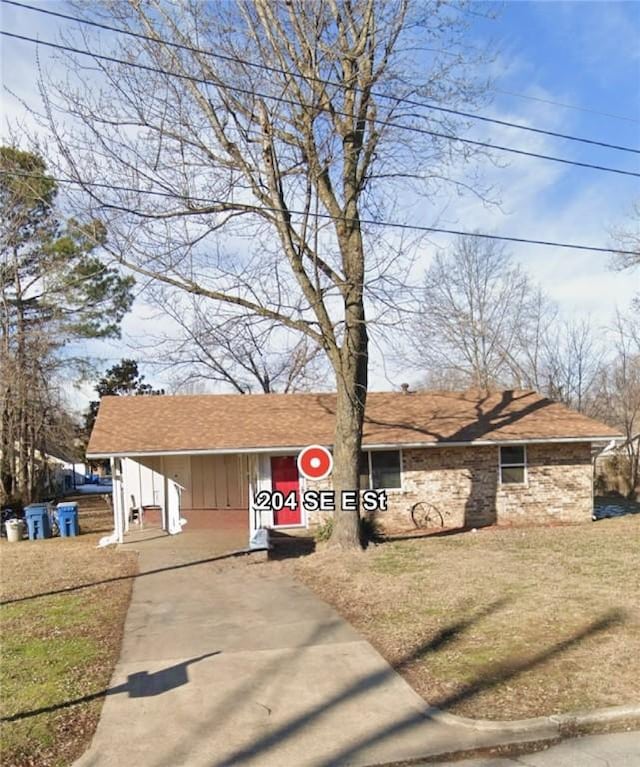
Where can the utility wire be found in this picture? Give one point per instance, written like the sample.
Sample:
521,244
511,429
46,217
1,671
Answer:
553,103
281,99
369,221
322,81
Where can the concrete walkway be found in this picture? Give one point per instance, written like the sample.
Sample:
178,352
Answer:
243,666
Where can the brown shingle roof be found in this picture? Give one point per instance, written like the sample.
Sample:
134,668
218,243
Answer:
158,424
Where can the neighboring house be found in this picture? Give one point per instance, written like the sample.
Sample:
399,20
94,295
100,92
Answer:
613,466
64,474
508,457
57,472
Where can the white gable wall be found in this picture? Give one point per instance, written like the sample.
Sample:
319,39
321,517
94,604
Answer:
143,479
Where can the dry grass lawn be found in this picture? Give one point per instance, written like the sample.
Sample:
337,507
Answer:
60,647
502,623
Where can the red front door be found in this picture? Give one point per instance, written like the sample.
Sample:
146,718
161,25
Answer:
284,477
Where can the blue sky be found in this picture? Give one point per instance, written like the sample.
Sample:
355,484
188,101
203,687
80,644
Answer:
584,54
579,53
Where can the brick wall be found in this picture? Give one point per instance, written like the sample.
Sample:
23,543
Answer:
463,483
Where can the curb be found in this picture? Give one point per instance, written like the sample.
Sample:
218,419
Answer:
601,717
503,738
558,723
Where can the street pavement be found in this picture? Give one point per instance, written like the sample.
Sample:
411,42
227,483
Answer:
611,750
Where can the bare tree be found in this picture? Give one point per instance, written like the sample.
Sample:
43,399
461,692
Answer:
485,324
572,364
619,397
475,302
627,238
529,358
210,161
242,352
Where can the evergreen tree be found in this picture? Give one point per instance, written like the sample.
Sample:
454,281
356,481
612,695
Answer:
121,379
56,288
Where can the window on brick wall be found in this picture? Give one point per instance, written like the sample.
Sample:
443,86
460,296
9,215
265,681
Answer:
380,470
513,465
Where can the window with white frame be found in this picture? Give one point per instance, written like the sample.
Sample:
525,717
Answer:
380,470
513,465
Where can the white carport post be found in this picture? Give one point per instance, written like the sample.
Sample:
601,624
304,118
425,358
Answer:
259,479
119,516
174,525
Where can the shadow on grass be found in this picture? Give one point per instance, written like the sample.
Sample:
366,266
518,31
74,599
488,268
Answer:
414,535
140,684
290,546
116,578
612,506
285,547
449,633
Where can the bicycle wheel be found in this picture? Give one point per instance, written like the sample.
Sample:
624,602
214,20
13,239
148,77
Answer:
426,515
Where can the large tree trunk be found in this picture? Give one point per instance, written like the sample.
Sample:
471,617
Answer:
351,385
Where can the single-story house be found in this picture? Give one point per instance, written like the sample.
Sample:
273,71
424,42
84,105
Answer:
481,458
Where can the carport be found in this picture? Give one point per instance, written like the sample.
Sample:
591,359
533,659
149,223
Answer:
211,490
209,493
183,491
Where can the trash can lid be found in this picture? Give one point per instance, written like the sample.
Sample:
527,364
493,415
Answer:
68,505
40,507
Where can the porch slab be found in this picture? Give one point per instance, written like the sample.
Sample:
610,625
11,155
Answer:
158,549
242,666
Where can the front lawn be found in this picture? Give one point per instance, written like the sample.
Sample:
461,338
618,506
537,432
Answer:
58,648
500,623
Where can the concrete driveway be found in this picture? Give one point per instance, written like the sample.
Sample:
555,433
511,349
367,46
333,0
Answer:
242,665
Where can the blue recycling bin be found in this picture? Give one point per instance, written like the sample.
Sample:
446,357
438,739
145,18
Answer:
36,515
67,514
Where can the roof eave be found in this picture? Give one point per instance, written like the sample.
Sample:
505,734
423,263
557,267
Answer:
369,446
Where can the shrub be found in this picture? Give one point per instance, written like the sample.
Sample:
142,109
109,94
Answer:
370,530
324,530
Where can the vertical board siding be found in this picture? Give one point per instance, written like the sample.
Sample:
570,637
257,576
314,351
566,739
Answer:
235,483
220,499
218,482
178,468
197,481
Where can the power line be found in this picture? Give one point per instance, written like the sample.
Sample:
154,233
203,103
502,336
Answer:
281,99
322,81
368,221
558,104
